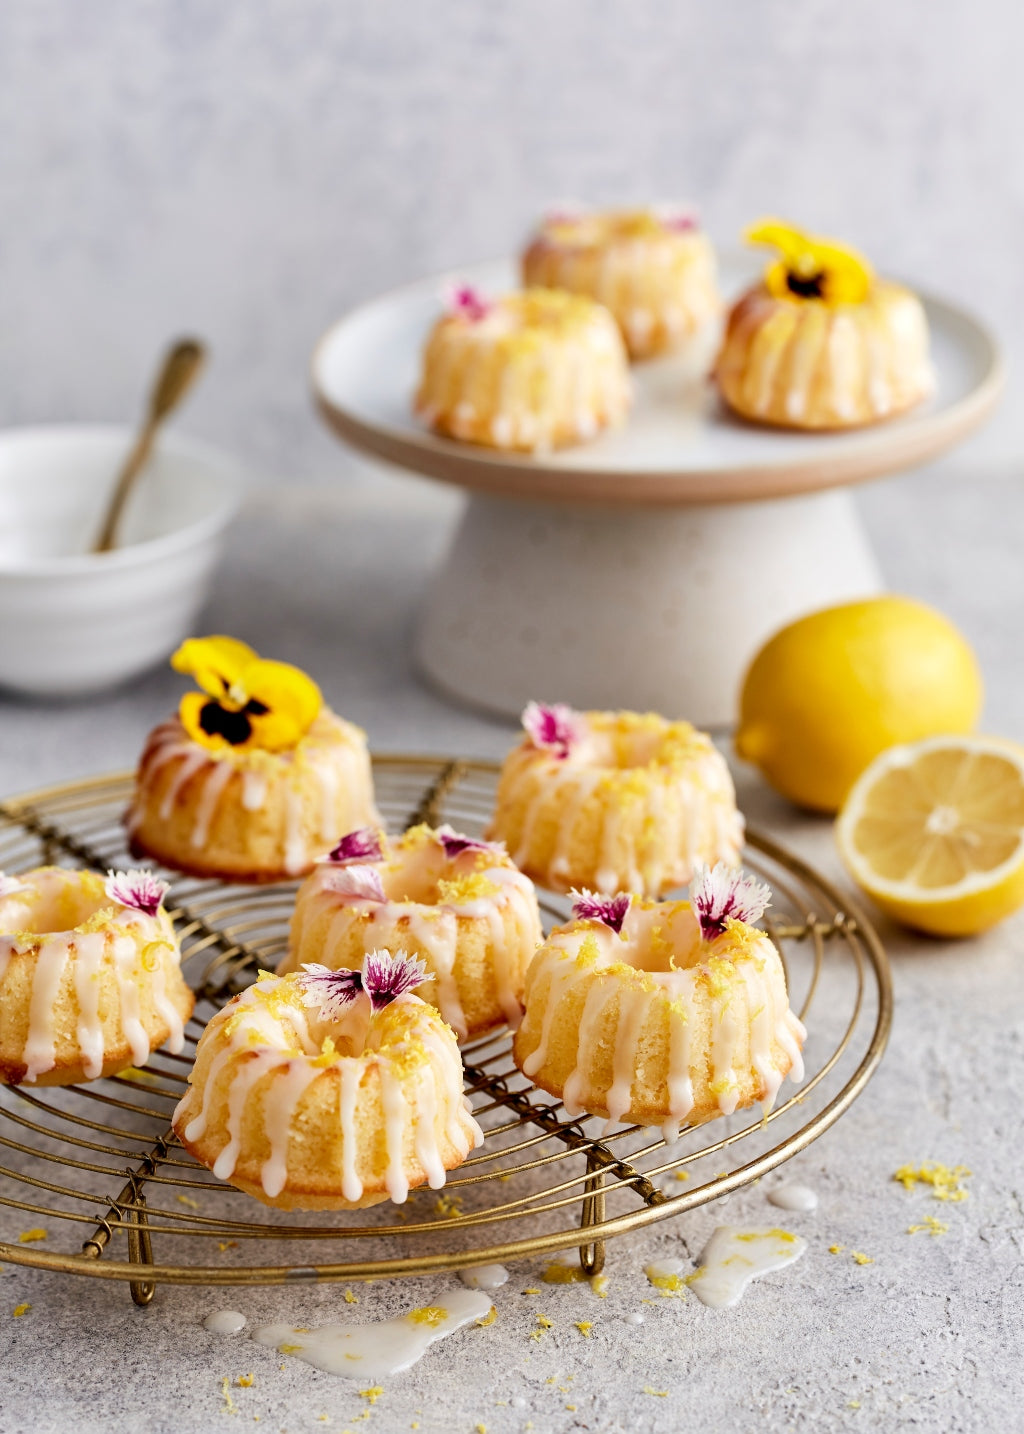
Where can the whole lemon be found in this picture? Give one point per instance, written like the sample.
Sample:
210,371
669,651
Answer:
829,692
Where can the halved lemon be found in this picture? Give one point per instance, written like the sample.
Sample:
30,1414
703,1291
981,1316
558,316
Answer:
934,832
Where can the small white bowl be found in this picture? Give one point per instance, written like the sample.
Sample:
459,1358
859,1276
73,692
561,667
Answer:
72,621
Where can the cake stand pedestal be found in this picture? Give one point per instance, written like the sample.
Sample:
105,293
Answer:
643,570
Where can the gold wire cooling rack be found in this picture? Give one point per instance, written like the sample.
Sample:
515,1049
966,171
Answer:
100,1159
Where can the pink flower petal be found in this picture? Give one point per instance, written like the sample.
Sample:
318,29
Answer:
554,728
455,844
354,882
465,301
330,990
388,975
362,845
721,893
138,890
592,906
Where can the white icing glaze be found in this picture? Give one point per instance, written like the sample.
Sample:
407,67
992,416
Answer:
663,1269
484,1277
224,1322
634,1317
791,1195
373,1351
734,1256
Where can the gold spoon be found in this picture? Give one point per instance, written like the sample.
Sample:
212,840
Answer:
178,371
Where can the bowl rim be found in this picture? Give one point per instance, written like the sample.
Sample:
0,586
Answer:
226,474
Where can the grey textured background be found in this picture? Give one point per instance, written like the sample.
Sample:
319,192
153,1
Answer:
251,170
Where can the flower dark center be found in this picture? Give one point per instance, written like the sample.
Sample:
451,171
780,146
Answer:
218,721
806,286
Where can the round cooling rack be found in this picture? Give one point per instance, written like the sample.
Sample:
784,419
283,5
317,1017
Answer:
99,1164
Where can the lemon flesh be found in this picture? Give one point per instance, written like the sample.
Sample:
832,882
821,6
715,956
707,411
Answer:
934,833
830,691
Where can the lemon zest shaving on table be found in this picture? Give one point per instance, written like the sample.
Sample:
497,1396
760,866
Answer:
531,1291
489,1317
584,1326
372,1394
599,1284
836,1249
245,1381
21,1309
859,1258
946,1181
557,1274
229,1404
658,1393
223,1245
431,1315
27,1236
350,1298
931,1225
288,1349
187,1200
448,1206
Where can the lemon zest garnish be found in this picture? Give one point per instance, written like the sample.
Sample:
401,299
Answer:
27,1236
187,1200
946,1181
245,1381
350,1298
431,1315
558,1274
223,1245
658,1393
21,1309
836,1249
599,1284
532,1291
488,1318
375,1391
931,1225
584,1326
859,1258
461,890
229,1404
668,1285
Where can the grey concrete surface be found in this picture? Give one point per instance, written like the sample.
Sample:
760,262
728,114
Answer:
924,1338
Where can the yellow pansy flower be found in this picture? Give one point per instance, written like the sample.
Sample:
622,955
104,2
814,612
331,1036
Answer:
246,701
810,267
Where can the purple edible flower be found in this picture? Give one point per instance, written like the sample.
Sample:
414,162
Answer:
140,890
362,845
592,906
331,990
553,729
362,883
388,975
10,885
465,301
721,893
455,844
678,221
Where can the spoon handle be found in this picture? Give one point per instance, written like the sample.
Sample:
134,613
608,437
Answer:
177,373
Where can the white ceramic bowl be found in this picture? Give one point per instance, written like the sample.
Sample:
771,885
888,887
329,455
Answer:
72,621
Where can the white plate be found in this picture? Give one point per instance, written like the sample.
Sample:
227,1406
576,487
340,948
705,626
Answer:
680,444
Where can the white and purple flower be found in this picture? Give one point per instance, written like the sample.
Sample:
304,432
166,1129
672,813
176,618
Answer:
465,301
455,843
385,976
555,728
720,894
362,845
139,890
355,881
592,906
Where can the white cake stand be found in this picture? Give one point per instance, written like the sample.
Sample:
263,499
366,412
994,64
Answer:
642,570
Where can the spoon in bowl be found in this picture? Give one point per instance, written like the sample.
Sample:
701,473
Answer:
178,372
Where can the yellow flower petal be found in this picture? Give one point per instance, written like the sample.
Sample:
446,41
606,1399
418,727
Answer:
292,701
216,663
811,267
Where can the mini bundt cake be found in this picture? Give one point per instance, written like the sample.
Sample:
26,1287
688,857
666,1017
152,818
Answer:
457,903
821,342
90,975
615,801
527,372
661,1013
254,777
329,1090
654,269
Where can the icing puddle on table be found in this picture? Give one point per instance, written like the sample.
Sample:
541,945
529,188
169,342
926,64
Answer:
733,1257
373,1351
791,1195
484,1277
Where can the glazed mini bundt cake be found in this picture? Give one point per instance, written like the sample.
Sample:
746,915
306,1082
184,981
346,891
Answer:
254,777
654,269
614,801
329,1090
457,903
529,372
90,975
661,1013
821,342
